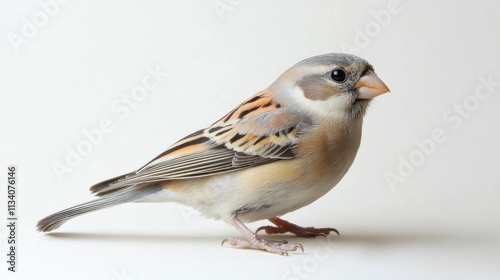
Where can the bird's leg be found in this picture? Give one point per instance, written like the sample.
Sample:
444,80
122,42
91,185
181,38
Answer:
283,226
253,241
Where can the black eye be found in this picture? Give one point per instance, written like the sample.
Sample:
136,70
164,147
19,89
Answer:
338,75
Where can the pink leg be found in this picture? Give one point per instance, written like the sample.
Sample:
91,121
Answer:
252,241
284,226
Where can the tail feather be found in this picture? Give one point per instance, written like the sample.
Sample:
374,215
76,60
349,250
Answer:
97,189
129,194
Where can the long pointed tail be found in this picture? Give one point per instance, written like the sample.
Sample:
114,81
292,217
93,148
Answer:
129,194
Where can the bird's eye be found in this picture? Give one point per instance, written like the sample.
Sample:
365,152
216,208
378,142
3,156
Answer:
339,75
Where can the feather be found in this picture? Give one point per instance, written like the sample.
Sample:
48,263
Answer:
257,132
129,194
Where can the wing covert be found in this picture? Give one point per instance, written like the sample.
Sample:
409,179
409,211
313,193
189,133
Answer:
257,132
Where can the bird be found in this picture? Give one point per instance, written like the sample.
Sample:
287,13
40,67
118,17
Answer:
278,151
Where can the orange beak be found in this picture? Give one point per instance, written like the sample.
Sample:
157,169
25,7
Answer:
370,86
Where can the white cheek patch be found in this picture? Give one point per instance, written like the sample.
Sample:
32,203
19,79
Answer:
335,106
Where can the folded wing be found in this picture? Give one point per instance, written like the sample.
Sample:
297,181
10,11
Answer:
257,132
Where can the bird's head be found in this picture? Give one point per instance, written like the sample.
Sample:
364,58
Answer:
331,85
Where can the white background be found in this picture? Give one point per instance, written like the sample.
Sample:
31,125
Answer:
439,221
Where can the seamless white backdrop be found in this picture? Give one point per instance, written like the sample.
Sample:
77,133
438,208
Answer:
420,201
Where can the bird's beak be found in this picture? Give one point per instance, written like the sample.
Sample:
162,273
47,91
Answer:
370,86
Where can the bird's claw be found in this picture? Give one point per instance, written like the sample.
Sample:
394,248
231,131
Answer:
272,246
308,232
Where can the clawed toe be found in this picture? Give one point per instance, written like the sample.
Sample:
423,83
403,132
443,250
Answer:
251,239
284,227
272,246
271,230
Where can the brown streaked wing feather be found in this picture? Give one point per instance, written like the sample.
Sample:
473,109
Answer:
261,102
257,132
260,126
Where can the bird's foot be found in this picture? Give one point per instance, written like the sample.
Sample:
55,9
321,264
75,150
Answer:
272,246
253,241
283,226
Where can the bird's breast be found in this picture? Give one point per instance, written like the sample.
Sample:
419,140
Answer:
329,150
323,158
